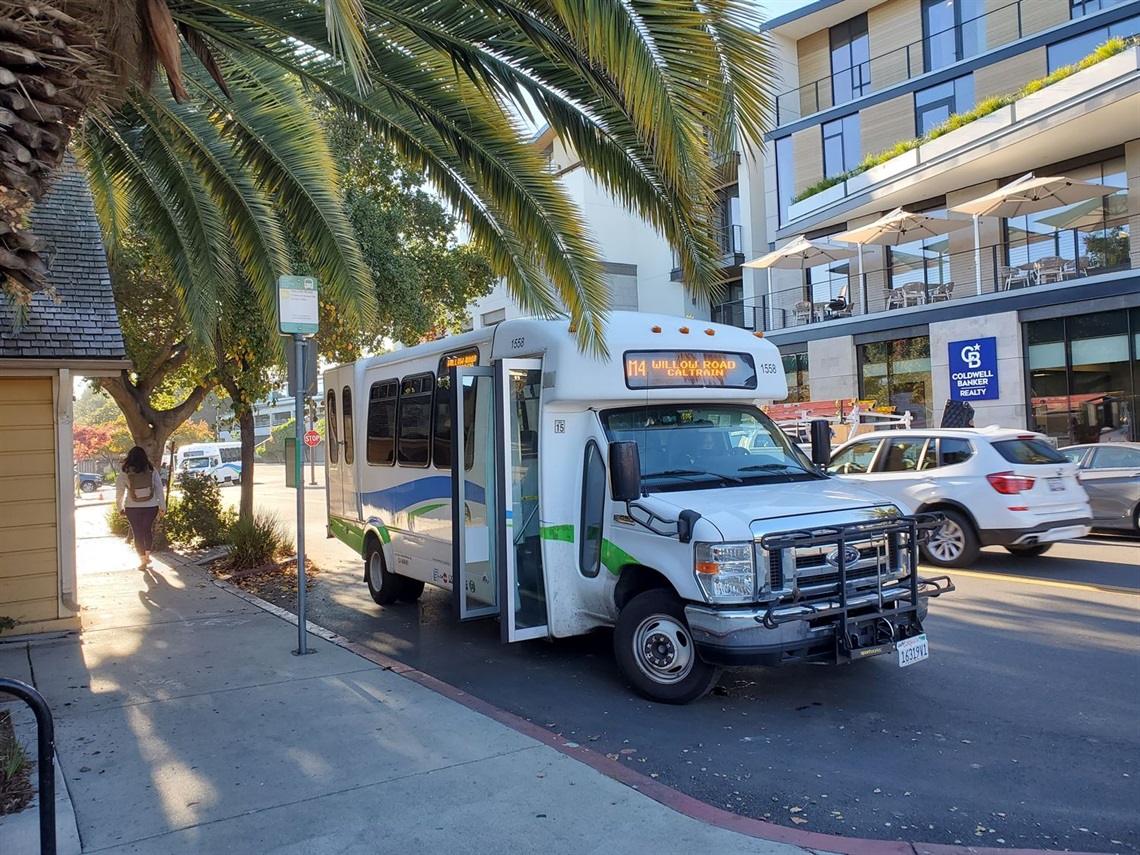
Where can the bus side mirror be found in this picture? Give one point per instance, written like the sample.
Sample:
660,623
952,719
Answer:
625,471
820,442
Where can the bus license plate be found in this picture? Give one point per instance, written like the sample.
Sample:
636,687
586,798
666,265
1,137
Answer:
912,650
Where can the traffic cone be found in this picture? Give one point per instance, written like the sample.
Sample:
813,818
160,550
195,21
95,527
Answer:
100,496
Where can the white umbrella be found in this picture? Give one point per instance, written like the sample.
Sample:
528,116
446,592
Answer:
898,227
801,253
1089,213
1027,195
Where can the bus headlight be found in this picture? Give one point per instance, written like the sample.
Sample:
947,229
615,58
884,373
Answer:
725,571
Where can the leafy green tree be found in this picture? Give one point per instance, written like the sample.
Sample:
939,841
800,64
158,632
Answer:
647,93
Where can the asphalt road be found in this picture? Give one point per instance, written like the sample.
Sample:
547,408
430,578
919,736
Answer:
1021,730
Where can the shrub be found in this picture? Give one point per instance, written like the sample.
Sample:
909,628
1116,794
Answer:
257,542
197,519
120,527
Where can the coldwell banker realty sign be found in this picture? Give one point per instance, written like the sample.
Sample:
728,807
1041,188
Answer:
973,370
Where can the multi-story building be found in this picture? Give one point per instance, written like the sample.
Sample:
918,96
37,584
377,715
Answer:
1051,295
951,100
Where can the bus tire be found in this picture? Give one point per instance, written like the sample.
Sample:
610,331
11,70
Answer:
655,651
411,589
382,585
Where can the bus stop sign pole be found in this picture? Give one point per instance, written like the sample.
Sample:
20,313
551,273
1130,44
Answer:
298,316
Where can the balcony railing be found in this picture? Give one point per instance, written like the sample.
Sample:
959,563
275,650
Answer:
915,284
888,69
731,242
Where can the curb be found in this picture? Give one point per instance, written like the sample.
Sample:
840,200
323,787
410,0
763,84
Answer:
661,793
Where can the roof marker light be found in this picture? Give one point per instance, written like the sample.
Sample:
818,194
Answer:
684,330
655,329
710,331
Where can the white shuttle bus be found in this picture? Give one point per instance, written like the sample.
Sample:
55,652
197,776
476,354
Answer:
562,492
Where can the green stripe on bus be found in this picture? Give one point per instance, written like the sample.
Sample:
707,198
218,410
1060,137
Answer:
564,533
614,557
426,509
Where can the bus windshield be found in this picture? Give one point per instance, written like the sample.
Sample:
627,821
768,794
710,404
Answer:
697,447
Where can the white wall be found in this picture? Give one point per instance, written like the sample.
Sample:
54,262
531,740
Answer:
1009,409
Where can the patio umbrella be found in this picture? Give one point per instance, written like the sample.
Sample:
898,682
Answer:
1027,195
1092,212
799,254
898,227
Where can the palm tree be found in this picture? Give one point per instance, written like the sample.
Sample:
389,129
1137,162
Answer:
645,92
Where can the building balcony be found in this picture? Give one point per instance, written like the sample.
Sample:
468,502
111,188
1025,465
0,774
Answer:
1049,126
1044,268
732,253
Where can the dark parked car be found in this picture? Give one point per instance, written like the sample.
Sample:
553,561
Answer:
88,482
1110,474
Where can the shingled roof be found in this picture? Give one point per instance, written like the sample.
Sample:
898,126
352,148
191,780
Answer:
83,325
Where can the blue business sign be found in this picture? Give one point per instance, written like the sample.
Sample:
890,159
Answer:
973,370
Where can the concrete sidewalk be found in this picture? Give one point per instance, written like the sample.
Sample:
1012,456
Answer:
184,723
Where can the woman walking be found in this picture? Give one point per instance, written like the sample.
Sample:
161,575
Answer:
138,494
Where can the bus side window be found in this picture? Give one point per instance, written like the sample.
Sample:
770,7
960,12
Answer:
330,426
381,443
346,416
441,424
593,511
413,428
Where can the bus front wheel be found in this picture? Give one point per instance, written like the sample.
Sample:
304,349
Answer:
382,585
655,650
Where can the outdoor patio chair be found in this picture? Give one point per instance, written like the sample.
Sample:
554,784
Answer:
942,293
802,312
1011,276
1050,269
896,298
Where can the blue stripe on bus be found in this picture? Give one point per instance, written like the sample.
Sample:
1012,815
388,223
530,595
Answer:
404,496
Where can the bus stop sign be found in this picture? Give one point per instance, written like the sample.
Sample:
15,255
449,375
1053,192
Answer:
312,438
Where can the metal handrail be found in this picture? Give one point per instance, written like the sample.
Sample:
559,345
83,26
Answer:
816,90
45,757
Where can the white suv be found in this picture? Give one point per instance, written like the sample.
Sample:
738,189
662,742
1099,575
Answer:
996,487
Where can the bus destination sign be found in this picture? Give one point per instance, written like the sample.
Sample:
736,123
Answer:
678,369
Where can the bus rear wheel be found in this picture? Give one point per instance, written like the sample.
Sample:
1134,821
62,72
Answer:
655,650
411,589
382,585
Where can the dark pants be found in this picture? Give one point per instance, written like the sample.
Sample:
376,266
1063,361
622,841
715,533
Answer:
142,527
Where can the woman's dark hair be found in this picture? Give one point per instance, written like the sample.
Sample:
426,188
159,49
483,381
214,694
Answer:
137,461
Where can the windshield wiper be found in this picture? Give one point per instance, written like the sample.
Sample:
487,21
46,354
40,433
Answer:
774,467
683,472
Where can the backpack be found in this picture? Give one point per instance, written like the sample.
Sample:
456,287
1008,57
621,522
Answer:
140,485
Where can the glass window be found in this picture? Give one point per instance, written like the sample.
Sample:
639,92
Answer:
414,420
842,149
896,375
380,448
593,511
1080,8
796,373
952,451
850,60
1116,457
1031,452
1072,51
951,31
854,458
330,427
924,261
346,421
902,455
935,105
785,176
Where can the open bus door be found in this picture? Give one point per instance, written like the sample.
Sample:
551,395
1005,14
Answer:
496,549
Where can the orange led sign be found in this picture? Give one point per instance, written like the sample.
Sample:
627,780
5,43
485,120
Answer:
673,369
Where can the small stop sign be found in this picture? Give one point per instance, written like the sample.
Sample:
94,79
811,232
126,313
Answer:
312,438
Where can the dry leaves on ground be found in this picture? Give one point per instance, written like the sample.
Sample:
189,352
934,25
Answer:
272,581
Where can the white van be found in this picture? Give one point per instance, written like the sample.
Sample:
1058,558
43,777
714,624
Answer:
219,460
581,492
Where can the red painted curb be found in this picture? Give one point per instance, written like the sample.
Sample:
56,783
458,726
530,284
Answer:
661,793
